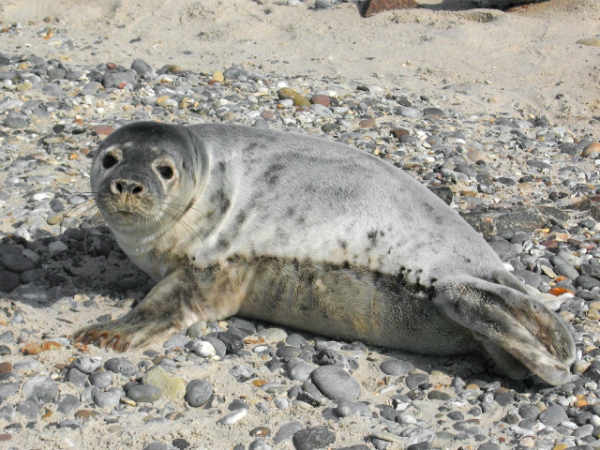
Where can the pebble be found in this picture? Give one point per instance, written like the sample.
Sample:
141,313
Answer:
198,392
553,416
396,367
144,393
172,387
120,365
40,390
335,383
233,416
313,438
108,398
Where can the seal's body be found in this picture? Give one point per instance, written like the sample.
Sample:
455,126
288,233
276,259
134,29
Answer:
311,234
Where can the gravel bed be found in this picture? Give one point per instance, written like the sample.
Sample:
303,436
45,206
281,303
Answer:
530,185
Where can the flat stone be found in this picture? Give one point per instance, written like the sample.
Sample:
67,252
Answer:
395,367
144,393
172,387
313,438
335,383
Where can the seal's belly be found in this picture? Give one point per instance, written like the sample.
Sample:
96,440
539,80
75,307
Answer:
348,303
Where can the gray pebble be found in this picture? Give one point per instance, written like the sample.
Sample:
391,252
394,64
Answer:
287,431
109,398
120,365
141,67
8,413
67,404
335,383
566,270
235,72
73,424
198,392
8,390
27,364
144,393
313,438
8,281
553,415
40,390
233,416
414,380
16,263
529,411
159,446
196,330
77,377
259,444
345,409
111,80
587,283
218,344
102,379
412,113
28,409
87,365
299,370
396,367
296,340
177,340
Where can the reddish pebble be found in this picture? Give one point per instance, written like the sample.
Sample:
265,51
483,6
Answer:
367,123
5,367
103,130
122,85
559,291
111,66
267,115
550,244
399,132
34,349
211,82
5,437
321,99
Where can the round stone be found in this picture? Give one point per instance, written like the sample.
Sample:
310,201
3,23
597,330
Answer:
109,398
395,367
335,383
553,415
414,380
120,365
313,438
101,379
144,393
198,392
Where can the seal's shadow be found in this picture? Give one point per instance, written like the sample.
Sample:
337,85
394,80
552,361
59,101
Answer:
79,261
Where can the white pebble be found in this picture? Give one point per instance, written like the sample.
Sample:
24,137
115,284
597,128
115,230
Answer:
233,416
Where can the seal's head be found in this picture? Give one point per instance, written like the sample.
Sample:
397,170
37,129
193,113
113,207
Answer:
142,177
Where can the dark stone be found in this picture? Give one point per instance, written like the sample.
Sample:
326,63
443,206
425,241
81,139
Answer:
313,438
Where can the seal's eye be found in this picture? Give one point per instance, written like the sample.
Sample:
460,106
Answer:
109,161
165,171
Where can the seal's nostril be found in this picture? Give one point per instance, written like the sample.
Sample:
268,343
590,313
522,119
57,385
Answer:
119,187
137,190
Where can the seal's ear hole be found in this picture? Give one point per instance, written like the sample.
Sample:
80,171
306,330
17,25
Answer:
166,172
109,161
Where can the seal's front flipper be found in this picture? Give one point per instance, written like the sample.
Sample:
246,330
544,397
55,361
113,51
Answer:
178,301
515,329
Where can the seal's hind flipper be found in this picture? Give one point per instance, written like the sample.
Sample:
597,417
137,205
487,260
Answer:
514,328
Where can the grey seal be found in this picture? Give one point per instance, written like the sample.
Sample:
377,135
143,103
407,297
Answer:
310,234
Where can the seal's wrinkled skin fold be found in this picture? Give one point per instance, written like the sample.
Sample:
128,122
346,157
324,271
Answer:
310,234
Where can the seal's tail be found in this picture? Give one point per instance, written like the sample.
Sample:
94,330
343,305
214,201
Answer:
517,331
